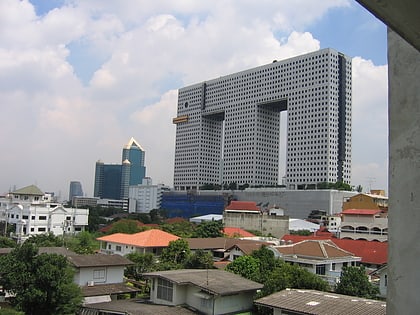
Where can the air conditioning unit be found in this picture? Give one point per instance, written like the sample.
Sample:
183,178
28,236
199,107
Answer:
90,283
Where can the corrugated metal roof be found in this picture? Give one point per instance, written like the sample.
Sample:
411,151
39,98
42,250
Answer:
218,282
96,260
312,302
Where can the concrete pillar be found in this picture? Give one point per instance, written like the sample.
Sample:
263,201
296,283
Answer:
404,177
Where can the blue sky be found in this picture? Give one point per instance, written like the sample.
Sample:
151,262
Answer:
80,78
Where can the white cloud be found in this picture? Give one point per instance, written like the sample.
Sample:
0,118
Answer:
54,127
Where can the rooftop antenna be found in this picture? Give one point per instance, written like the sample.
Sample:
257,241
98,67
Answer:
370,181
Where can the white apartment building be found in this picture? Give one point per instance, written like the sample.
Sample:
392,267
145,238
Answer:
228,129
32,212
145,197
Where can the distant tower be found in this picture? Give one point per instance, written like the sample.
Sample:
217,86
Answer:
134,154
75,190
112,181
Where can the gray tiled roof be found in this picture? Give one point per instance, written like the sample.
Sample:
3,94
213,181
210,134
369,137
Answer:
136,307
107,289
95,260
312,302
218,282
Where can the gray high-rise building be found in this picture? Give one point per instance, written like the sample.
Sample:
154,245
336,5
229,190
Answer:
75,190
228,129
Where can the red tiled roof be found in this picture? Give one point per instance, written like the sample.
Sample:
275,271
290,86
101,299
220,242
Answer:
236,232
361,211
243,205
370,252
150,238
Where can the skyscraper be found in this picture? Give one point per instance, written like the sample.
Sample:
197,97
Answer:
75,190
228,129
112,181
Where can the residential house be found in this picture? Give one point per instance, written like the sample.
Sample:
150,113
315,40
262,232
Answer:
321,257
100,276
150,241
376,200
313,302
221,247
364,224
34,212
249,216
380,277
208,291
373,254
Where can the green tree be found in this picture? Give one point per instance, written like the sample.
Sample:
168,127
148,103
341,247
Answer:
209,229
6,242
182,229
354,281
200,259
10,311
175,255
126,226
142,263
246,266
82,243
42,284
45,240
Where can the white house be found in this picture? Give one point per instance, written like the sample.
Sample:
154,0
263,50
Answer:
208,291
33,212
101,277
321,257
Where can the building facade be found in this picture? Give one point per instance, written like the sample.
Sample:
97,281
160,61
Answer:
32,212
75,190
227,129
112,181
145,197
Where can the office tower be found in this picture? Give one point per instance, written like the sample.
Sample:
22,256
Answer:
133,169
228,129
75,190
112,181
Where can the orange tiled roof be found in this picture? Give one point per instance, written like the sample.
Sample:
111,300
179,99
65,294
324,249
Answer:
150,238
235,232
243,205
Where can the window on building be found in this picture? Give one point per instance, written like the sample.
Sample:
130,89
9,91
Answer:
42,217
333,266
118,248
99,274
164,290
320,269
42,229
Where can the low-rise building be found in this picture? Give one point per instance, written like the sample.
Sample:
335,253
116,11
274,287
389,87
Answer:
208,291
33,212
150,241
321,257
313,302
375,200
247,215
364,224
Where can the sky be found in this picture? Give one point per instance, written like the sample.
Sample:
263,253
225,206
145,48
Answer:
79,78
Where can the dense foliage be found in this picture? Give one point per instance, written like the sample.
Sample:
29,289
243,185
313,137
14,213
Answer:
42,283
354,281
275,274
